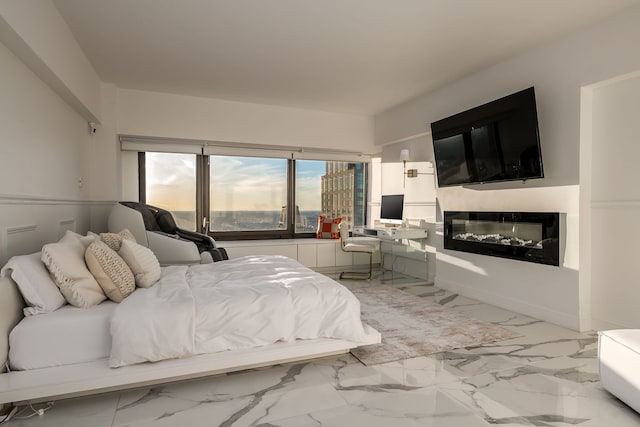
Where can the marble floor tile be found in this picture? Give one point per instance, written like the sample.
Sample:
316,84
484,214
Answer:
358,383
551,393
238,399
539,341
489,313
620,416
546,377
463,363
433,409
94,411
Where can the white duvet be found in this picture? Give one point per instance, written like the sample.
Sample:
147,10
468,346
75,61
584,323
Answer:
246,302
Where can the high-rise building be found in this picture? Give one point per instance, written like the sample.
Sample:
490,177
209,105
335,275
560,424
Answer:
343,192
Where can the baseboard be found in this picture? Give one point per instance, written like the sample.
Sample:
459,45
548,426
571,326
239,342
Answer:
603,325
519,306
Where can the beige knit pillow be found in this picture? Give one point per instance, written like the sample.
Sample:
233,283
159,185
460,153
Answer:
112,273
114,240
65,262
142,262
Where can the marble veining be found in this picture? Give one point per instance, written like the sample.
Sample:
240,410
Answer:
257,397
546,377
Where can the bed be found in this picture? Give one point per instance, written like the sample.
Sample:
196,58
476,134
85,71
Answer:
217,318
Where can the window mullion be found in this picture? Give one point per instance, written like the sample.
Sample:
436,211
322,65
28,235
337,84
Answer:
202,193
291,198
142,178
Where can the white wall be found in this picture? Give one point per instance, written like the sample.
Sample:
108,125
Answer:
36,32
178,116
558,71
42,146
615,205
155,114
419,201
51,178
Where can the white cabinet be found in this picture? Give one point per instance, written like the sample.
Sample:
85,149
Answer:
307,255
289,250
312,253
326,255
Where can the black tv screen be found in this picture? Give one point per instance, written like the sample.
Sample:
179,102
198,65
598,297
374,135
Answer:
391,207
497,141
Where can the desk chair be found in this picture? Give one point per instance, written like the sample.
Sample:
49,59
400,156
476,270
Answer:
347,246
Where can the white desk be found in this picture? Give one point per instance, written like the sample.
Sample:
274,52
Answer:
392,233
407,243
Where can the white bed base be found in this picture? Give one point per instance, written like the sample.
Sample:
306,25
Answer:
96,377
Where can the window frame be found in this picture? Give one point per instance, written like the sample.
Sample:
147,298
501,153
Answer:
203,201
287,233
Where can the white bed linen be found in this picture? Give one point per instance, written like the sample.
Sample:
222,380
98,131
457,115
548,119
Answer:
247,302
66,336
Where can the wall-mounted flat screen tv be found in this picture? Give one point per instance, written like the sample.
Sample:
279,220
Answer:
391,208
497,141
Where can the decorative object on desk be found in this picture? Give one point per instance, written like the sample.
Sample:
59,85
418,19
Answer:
355,247
328,227
412,326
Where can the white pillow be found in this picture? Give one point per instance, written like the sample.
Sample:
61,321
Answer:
142,262
85,240
65,262
36,286
113,275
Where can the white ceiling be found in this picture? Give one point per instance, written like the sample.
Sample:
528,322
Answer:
353,56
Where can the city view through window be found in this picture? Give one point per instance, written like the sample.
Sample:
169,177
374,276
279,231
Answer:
250,194
171,185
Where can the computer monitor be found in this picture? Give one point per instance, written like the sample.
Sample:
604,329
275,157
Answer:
391,209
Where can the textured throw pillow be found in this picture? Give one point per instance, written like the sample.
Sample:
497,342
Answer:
65,262
328,228
142,262
114,240
113,274
35,284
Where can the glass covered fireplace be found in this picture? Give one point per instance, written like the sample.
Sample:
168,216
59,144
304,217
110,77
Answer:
525,236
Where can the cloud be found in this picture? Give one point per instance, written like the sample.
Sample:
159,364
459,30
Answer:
242,183
170,180
237,183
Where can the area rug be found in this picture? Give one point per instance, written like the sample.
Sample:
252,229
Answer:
411,326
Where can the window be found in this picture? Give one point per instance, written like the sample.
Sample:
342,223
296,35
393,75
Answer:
247,194
170,183
338,200
311,188
253,197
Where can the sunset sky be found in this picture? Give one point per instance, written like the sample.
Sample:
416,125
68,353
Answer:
237,183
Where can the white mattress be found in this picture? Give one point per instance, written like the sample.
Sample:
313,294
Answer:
66,336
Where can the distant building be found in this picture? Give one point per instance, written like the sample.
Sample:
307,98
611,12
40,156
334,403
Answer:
302,223
343,192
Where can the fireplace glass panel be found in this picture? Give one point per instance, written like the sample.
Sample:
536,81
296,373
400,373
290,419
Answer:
524,236
501,233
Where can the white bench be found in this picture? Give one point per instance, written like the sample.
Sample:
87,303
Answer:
619,362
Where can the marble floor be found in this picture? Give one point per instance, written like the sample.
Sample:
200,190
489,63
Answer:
547,377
